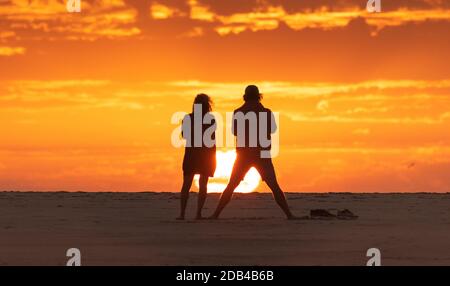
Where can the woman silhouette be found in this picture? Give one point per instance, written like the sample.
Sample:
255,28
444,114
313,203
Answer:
198,128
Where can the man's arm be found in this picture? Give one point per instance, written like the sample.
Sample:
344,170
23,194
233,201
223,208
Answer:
273,123
233,125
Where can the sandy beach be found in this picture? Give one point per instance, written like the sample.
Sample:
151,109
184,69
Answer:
140,229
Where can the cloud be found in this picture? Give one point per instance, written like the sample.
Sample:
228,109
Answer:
380,91
430,151
304,90
271,17
323,105
36,10
159,11
359,110
11,51
300,117
337,150
44,96
293,40
353,103
361,131
87,169
365,169
98,19
268,15
58,84
116,19
200,12
223,7
6,35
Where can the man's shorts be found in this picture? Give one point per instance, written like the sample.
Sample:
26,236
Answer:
244,162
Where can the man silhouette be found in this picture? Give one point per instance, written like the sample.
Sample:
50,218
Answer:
253,125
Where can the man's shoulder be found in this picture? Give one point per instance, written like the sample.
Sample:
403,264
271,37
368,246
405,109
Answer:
264,109
246,108
240,109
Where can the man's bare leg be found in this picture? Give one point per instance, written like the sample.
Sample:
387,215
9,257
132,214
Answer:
225,197
279,197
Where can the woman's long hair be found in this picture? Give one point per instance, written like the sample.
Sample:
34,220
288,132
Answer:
205,101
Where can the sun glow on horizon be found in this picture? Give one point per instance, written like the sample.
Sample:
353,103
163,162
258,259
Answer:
225,161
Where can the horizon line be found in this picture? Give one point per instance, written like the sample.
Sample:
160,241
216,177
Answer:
214,193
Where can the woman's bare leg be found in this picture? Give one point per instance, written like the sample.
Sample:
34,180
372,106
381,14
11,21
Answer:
203,190
187,183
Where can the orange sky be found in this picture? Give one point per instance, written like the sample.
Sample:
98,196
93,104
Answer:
86,98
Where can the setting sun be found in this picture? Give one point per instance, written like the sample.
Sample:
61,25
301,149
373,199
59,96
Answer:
225,161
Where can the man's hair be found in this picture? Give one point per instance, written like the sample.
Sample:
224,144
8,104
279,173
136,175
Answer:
252,97
252,93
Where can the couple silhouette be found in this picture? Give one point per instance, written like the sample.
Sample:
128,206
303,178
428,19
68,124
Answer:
200,157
